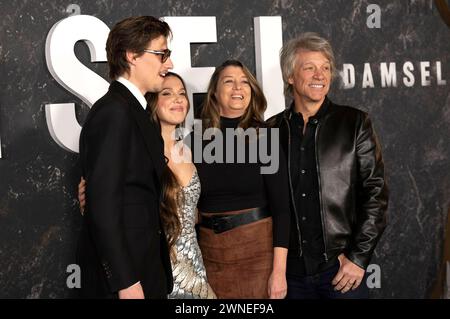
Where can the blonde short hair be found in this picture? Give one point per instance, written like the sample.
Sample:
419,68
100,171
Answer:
308,41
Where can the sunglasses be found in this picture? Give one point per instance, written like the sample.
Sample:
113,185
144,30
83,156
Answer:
165,54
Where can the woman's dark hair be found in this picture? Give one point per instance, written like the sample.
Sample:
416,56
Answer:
152,97
254,114
172,196
172,199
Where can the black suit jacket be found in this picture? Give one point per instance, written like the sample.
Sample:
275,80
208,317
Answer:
122,240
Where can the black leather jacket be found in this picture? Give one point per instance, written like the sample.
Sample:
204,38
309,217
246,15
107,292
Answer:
352,189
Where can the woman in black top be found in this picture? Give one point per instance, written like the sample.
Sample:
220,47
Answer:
241,210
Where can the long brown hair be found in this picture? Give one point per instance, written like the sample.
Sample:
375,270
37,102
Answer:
172,199
171,188
253,115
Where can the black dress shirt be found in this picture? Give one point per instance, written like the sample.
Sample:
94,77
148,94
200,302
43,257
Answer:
307,201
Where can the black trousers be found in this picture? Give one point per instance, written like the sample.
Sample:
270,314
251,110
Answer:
319,287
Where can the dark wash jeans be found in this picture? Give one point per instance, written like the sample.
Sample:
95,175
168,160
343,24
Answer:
319,287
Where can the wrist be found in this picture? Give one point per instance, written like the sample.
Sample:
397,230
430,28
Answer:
279,270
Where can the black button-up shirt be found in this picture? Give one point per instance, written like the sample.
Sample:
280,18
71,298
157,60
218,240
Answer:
306,196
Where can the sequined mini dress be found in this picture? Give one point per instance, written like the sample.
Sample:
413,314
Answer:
188,270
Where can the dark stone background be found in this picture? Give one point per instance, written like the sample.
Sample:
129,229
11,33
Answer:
39,217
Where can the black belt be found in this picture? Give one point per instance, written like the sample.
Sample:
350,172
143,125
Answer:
222,223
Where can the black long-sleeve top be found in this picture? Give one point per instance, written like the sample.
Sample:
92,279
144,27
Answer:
236,186
306,197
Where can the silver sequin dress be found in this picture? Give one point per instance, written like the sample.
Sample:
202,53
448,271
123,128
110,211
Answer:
189,274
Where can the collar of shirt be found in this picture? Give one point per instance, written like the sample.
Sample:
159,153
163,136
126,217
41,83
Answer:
297,116
134,90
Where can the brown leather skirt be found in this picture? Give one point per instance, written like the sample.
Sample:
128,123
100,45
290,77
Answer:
238,262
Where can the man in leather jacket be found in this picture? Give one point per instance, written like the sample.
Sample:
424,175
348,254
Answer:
336,176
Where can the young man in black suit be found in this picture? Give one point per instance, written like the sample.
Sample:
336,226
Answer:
123,250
